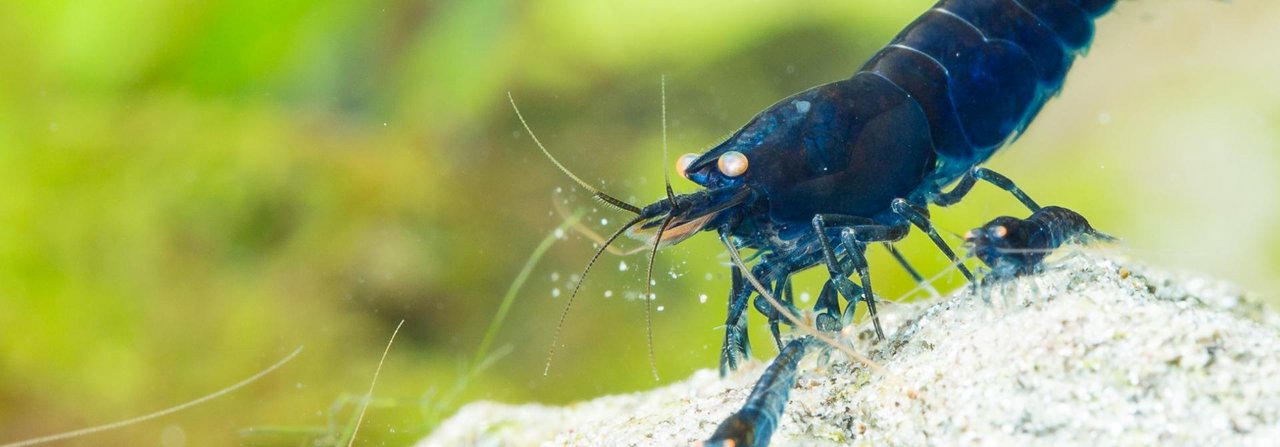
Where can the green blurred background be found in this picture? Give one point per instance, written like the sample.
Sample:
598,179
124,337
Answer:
190,190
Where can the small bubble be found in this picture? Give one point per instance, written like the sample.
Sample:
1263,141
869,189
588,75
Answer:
555,276
555,292
707,276
298,385
804,297
661,308
173,436
702,298
622,266
608,293
653,282
559,233
604,221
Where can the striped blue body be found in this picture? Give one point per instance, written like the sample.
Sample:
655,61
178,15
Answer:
982,69
954,86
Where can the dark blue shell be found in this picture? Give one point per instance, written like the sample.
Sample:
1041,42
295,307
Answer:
954,86
1012,246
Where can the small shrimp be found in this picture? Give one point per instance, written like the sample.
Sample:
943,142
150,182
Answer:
1014,247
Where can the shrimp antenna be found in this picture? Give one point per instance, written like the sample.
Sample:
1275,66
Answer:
599,195
648,295
952,234
653,254
666,176
555,339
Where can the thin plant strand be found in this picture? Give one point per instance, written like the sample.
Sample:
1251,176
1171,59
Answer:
364,404
161,413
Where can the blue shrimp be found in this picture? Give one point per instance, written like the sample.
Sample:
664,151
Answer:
815,178
1013,247
857,161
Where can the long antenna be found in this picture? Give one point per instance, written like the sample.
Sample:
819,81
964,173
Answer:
648,295
666,176
653,255
600,195
555,339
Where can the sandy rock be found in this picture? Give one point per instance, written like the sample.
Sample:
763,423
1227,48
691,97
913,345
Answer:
1095,351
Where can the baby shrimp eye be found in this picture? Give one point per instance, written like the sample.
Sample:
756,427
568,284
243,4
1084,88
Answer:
732,164
1000,231
682,164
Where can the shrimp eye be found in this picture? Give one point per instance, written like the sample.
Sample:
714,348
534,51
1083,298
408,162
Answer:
1000,231
682,164
732,164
